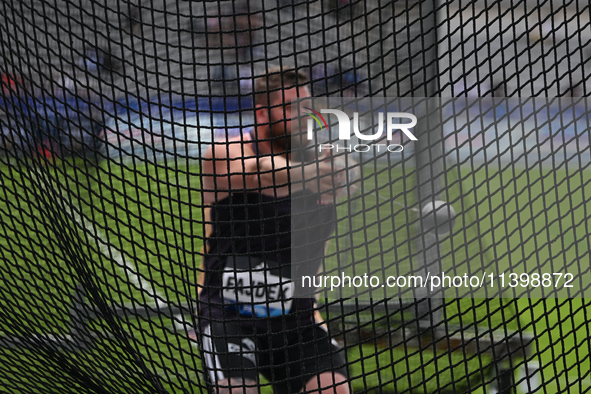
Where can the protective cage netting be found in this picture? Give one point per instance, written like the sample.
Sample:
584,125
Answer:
108,106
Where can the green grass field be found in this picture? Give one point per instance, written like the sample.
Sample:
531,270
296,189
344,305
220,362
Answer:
133,233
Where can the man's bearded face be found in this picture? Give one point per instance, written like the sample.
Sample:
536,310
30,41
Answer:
280,117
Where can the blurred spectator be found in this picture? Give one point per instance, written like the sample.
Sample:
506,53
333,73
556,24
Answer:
351,83
291,2
246,80
213,27
131,19
99,62
228,32
550,28
90,61
246,26
243,37
234,32
109,63
344,9
66,86
463,88
197,26
574,91
226,74
10,84
499,89
318,77
324,78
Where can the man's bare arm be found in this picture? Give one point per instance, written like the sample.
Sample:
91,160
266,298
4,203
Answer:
234,167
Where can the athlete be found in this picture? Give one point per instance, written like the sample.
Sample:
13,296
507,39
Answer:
249,321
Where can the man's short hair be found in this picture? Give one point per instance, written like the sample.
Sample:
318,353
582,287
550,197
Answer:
276,79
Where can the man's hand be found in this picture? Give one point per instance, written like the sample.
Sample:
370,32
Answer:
319,178
331,177
348,175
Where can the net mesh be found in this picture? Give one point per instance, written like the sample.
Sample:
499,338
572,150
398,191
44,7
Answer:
108,107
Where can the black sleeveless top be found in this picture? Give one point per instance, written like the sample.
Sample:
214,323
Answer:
253,229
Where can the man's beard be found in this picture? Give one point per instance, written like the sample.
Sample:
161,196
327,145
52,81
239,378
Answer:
279,135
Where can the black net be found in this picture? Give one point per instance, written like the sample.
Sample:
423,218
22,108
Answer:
107,112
